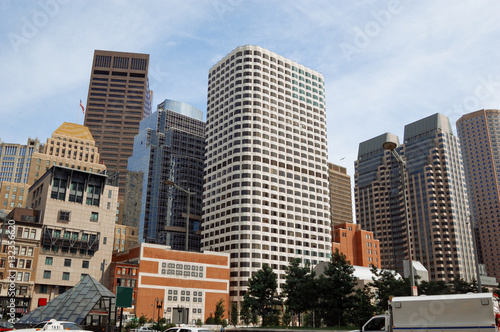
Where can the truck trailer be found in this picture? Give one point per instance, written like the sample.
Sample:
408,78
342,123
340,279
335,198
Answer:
454,312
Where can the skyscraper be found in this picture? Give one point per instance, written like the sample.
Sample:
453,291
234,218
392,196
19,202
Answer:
118,99
340,195
170,146
437,200
266,194
15,160
479,134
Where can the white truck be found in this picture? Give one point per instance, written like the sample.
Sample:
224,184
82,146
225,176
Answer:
456,312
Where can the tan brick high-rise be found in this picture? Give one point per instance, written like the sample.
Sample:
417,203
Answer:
118,99
479,134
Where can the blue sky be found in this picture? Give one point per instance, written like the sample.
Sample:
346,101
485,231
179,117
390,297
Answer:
385,63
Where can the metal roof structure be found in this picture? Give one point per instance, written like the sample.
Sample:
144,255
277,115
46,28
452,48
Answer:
74,305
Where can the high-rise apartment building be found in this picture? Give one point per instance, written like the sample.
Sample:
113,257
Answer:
15,161
266,191
170,146
479,134
118,99
71,145
437,200
340,195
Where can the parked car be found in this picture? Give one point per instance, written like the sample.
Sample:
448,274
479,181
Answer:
188,329
53,324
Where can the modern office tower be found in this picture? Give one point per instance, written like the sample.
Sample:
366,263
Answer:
118,99
170,146
340,195
15,160
479,134
77,211
71,145
266,194
440,235
359,246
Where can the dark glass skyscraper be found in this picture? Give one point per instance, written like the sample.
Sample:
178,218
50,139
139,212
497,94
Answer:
170,146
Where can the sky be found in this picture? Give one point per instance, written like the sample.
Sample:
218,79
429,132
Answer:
385,63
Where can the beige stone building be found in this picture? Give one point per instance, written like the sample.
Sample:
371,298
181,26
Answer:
340,195
71,145
77,210
125,237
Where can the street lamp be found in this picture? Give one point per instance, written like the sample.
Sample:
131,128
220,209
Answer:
159,306
391,146
476,260
188,193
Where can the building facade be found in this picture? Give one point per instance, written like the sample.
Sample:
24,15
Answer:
479,134
340,195
170,146
359,246
77,209
186,285
20,244
118,99
266,194
15,161
71,145
125,237
440,236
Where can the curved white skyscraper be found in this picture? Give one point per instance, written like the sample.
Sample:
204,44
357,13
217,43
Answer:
266,194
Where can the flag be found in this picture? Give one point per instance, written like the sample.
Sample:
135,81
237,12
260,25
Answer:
81,105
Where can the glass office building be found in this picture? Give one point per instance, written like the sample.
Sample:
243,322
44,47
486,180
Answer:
170,146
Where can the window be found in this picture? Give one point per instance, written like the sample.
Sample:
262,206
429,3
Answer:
76,192
26,276
67,262
85,264
64,216
93,195
30,251
48,260
65,276
94,216
47,274
58,189
32,235
43,289
83,275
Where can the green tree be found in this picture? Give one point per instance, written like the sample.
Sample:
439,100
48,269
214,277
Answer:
388,285
262,296
199,322
363,308
142,320
336,285
286,317
245,313
219,312
210,320
460,286
299,288
234,314
433,288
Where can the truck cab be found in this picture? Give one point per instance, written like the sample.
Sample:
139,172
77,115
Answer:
378,323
